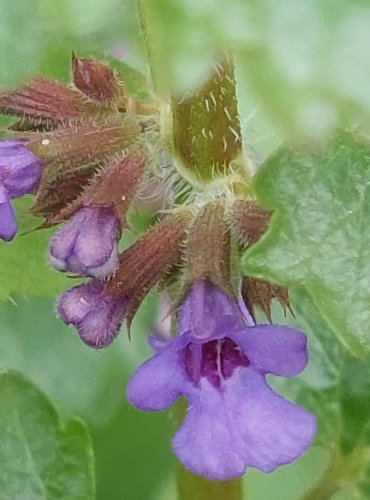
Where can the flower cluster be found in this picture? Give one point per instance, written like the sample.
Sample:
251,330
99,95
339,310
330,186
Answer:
85,151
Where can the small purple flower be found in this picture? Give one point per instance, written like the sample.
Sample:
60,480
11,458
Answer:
20,173
96,315
235,420
87,244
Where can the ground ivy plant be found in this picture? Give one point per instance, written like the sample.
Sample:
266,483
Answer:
261,264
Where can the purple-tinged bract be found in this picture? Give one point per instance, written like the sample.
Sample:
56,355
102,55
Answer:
235,420
95,314
20,173
87,244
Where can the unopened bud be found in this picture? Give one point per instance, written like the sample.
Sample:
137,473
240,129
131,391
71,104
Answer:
96,79
87,244
20,172
95,314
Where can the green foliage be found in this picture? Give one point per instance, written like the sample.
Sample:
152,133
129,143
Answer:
132,450
19,57
42,455
23,264
304,69
38,36
304,65
299,64
319,237
354,400
135,83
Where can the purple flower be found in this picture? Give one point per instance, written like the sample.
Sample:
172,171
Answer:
87,244
96,315
235,420
20,173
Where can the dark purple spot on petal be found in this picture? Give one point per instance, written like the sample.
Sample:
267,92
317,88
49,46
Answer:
215,360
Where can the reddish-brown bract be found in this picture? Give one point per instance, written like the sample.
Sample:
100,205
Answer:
261,293
148,260
249,221
115,185
95,79
47,102
207,251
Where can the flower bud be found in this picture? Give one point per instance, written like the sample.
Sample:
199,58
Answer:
20,172
46,103
71,156
87,244
96,314
95,79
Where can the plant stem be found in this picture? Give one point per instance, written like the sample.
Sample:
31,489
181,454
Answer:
191,487
324,488
146,12
342,471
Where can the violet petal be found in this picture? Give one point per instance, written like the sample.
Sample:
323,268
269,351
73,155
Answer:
207,311
20,170
157,383
96,315
8,225
87,244
245,424
280,350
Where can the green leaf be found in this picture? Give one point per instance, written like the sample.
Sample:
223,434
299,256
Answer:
319,237
355,400
20,41
42,455
24,268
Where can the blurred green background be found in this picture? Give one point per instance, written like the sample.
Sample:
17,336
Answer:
303,69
